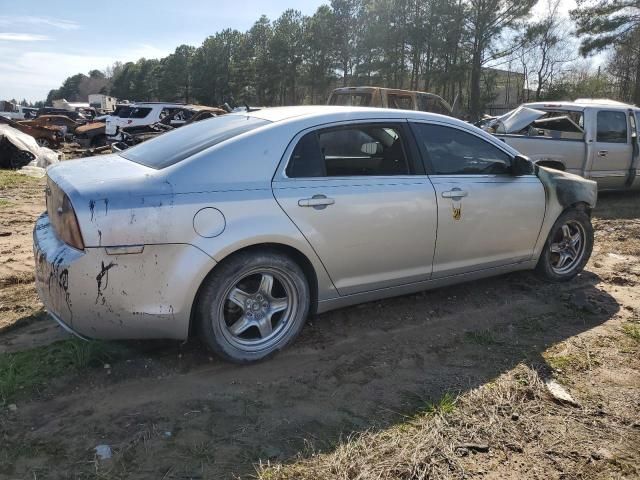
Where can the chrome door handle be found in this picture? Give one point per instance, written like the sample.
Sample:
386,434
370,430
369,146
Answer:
317,201
603,153
455,193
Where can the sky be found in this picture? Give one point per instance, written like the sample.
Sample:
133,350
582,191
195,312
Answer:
40,46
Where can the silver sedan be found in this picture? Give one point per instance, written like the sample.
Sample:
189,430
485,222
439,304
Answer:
239,227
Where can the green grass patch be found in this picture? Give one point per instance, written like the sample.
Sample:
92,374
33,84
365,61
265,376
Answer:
4,203
632,331
444,406
12,179
571,362
481,337
22,372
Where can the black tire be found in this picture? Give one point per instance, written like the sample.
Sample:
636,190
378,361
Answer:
99,141
241,334
550,266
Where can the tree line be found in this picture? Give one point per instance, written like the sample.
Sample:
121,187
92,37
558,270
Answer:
440,46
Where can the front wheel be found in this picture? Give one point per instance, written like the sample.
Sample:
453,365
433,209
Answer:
43,142
252,305
568,247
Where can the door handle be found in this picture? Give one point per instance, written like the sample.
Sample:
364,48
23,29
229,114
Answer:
603,153
317,201
455,193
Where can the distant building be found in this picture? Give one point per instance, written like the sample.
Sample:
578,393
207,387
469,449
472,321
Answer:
503,90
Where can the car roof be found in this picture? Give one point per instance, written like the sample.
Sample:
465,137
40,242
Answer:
581,103
331,113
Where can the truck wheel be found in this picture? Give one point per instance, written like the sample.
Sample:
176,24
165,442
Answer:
252,305
568,247
43,142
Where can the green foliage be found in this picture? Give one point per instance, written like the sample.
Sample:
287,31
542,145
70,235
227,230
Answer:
444,406
22,372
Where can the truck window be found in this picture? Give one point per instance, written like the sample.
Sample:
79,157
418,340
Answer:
612,127
351,99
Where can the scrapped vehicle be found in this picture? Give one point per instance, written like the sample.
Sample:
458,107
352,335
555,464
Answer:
16,112
177,118
239,226
17,150
91,135
389,98
63,122
77,117
50,136
596,139
143,113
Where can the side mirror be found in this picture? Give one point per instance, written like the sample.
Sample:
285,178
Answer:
521,165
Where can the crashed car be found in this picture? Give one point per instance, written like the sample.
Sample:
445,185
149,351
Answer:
239,226
91,135
18,150
46,136
67,125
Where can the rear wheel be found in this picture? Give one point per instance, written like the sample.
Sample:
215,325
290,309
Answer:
252,305
568,247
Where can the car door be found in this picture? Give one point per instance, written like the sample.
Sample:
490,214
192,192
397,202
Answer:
486,216
612,152
364,204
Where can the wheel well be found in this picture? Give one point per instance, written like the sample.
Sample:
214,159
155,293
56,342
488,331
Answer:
293,253
552,164
585,207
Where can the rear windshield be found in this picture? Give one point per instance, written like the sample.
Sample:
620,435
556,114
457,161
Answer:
173,147
351,99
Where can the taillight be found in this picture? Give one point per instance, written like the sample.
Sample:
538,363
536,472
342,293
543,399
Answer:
67,225
62,216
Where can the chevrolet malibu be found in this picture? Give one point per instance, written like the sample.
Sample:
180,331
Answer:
239,227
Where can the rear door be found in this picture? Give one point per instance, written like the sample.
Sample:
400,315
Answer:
364,204
612,152
487,217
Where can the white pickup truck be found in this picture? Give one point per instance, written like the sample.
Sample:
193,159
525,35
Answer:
596,139
138,114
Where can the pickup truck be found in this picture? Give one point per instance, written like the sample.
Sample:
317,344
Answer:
596,139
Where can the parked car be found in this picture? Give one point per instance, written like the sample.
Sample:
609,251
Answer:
143,113
63,122
239,226
16,112
596,139
49,136
389,98
78,117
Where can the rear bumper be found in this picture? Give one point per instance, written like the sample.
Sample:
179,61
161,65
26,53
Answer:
96,295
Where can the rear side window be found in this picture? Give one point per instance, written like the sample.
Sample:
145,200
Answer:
454,152
363,150
351,99
173,147
612,127
139,112
402,102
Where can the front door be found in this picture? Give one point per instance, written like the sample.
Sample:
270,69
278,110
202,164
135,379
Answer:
363,205
486,216
612,152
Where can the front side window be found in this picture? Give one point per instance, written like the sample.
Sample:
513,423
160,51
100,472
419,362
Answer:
362,150
612,127
454,152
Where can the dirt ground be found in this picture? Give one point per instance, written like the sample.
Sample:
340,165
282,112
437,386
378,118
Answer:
172,411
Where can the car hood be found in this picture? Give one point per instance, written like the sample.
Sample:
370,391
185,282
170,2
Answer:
518,119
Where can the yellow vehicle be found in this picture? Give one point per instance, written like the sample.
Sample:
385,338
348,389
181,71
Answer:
389,98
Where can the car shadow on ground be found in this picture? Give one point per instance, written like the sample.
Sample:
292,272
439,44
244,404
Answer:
357,369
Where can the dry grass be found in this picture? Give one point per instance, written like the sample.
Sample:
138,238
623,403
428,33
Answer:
497,416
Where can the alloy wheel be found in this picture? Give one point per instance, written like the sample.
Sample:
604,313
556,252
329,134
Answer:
568,247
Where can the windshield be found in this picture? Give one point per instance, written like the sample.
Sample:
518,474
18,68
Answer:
351,99
175,146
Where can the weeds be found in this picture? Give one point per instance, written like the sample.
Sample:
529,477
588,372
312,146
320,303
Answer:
4,203
444,406
481,337
22,372
632,331
10,179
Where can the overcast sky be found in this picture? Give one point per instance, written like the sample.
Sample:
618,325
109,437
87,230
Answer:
38,51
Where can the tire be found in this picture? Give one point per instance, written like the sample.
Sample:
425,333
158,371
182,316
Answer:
43,142
99,141
568,247
242,315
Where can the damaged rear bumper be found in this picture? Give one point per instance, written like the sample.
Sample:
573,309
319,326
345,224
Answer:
97,295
